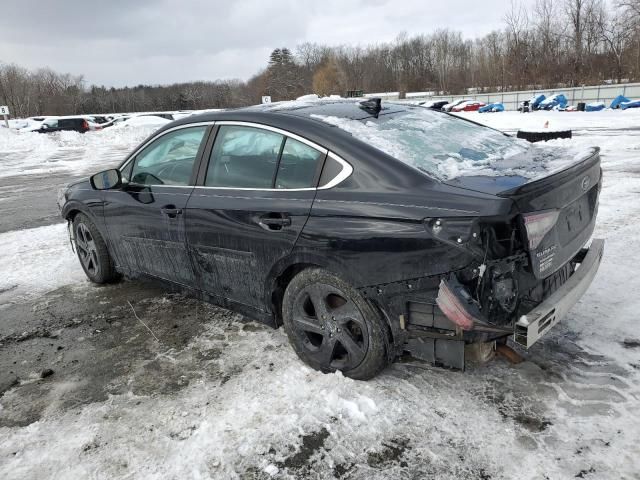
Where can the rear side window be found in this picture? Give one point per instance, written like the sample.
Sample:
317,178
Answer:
70,123
244,157
298,165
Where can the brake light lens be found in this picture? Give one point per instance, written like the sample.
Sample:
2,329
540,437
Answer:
453,309
538,225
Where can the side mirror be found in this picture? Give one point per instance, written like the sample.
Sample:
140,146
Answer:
109,179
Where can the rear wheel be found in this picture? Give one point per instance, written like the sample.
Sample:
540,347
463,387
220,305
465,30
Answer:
92,251
332,327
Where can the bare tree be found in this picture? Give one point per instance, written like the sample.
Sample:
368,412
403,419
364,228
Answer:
617,34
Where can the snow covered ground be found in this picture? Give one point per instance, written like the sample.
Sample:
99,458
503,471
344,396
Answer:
247,407
32,153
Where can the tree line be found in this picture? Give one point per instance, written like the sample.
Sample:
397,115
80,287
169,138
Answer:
554,43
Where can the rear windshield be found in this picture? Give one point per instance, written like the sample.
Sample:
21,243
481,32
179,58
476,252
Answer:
438,144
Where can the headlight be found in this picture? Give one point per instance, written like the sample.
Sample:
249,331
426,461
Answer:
62,196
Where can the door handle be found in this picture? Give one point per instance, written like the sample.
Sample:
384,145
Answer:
171,212
275,221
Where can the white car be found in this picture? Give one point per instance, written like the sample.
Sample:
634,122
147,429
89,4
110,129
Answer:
449,106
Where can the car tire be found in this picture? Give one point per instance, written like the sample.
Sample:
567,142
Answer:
331,326
92,251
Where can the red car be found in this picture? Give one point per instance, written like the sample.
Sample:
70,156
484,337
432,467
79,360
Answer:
468,106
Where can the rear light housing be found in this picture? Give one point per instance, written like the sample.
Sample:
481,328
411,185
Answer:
457,305
538,225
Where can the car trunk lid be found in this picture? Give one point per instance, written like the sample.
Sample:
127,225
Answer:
556,213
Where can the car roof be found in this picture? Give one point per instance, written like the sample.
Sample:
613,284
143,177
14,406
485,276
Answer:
298,117
341,108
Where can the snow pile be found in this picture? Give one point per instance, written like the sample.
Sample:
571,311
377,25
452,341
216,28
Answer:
35,261
578,122
142,121
29,153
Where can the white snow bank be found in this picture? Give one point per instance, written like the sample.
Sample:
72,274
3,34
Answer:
578,122
29,153
35,261
311,96
142,121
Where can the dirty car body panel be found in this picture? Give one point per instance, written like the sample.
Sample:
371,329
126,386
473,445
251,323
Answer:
446,262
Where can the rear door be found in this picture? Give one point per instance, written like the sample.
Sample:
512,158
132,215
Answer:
145,218
251,202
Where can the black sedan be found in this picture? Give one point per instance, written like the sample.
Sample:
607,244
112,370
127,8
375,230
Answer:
347,223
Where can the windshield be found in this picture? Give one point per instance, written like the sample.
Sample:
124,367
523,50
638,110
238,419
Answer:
438,144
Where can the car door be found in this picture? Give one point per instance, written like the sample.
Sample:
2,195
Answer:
251,202
145,218
49,125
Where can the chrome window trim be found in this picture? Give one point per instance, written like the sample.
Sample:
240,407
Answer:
307,189
345,173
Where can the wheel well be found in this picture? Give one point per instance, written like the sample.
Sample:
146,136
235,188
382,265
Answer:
71,214
283,280
280,285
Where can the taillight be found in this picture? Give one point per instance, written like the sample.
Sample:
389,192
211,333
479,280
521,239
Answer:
453,307
538,225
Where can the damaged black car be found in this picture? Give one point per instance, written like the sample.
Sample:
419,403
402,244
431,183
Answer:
365,229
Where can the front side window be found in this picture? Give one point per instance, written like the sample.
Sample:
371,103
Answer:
169,160
244,157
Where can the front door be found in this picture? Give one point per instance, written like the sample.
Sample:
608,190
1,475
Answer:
145,218
249,207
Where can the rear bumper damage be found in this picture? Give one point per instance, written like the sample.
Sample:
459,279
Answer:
530,327
461,309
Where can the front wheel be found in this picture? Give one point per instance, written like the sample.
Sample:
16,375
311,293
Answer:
332,327
92,251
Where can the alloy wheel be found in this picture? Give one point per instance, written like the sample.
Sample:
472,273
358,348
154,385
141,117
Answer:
331,327
87,250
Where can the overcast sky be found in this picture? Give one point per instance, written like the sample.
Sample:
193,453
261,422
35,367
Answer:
118,42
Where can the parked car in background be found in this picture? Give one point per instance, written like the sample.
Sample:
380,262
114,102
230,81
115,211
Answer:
492,108
76,124
99,119
335,220
434,104
449,106
48,124
468,106
34,123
